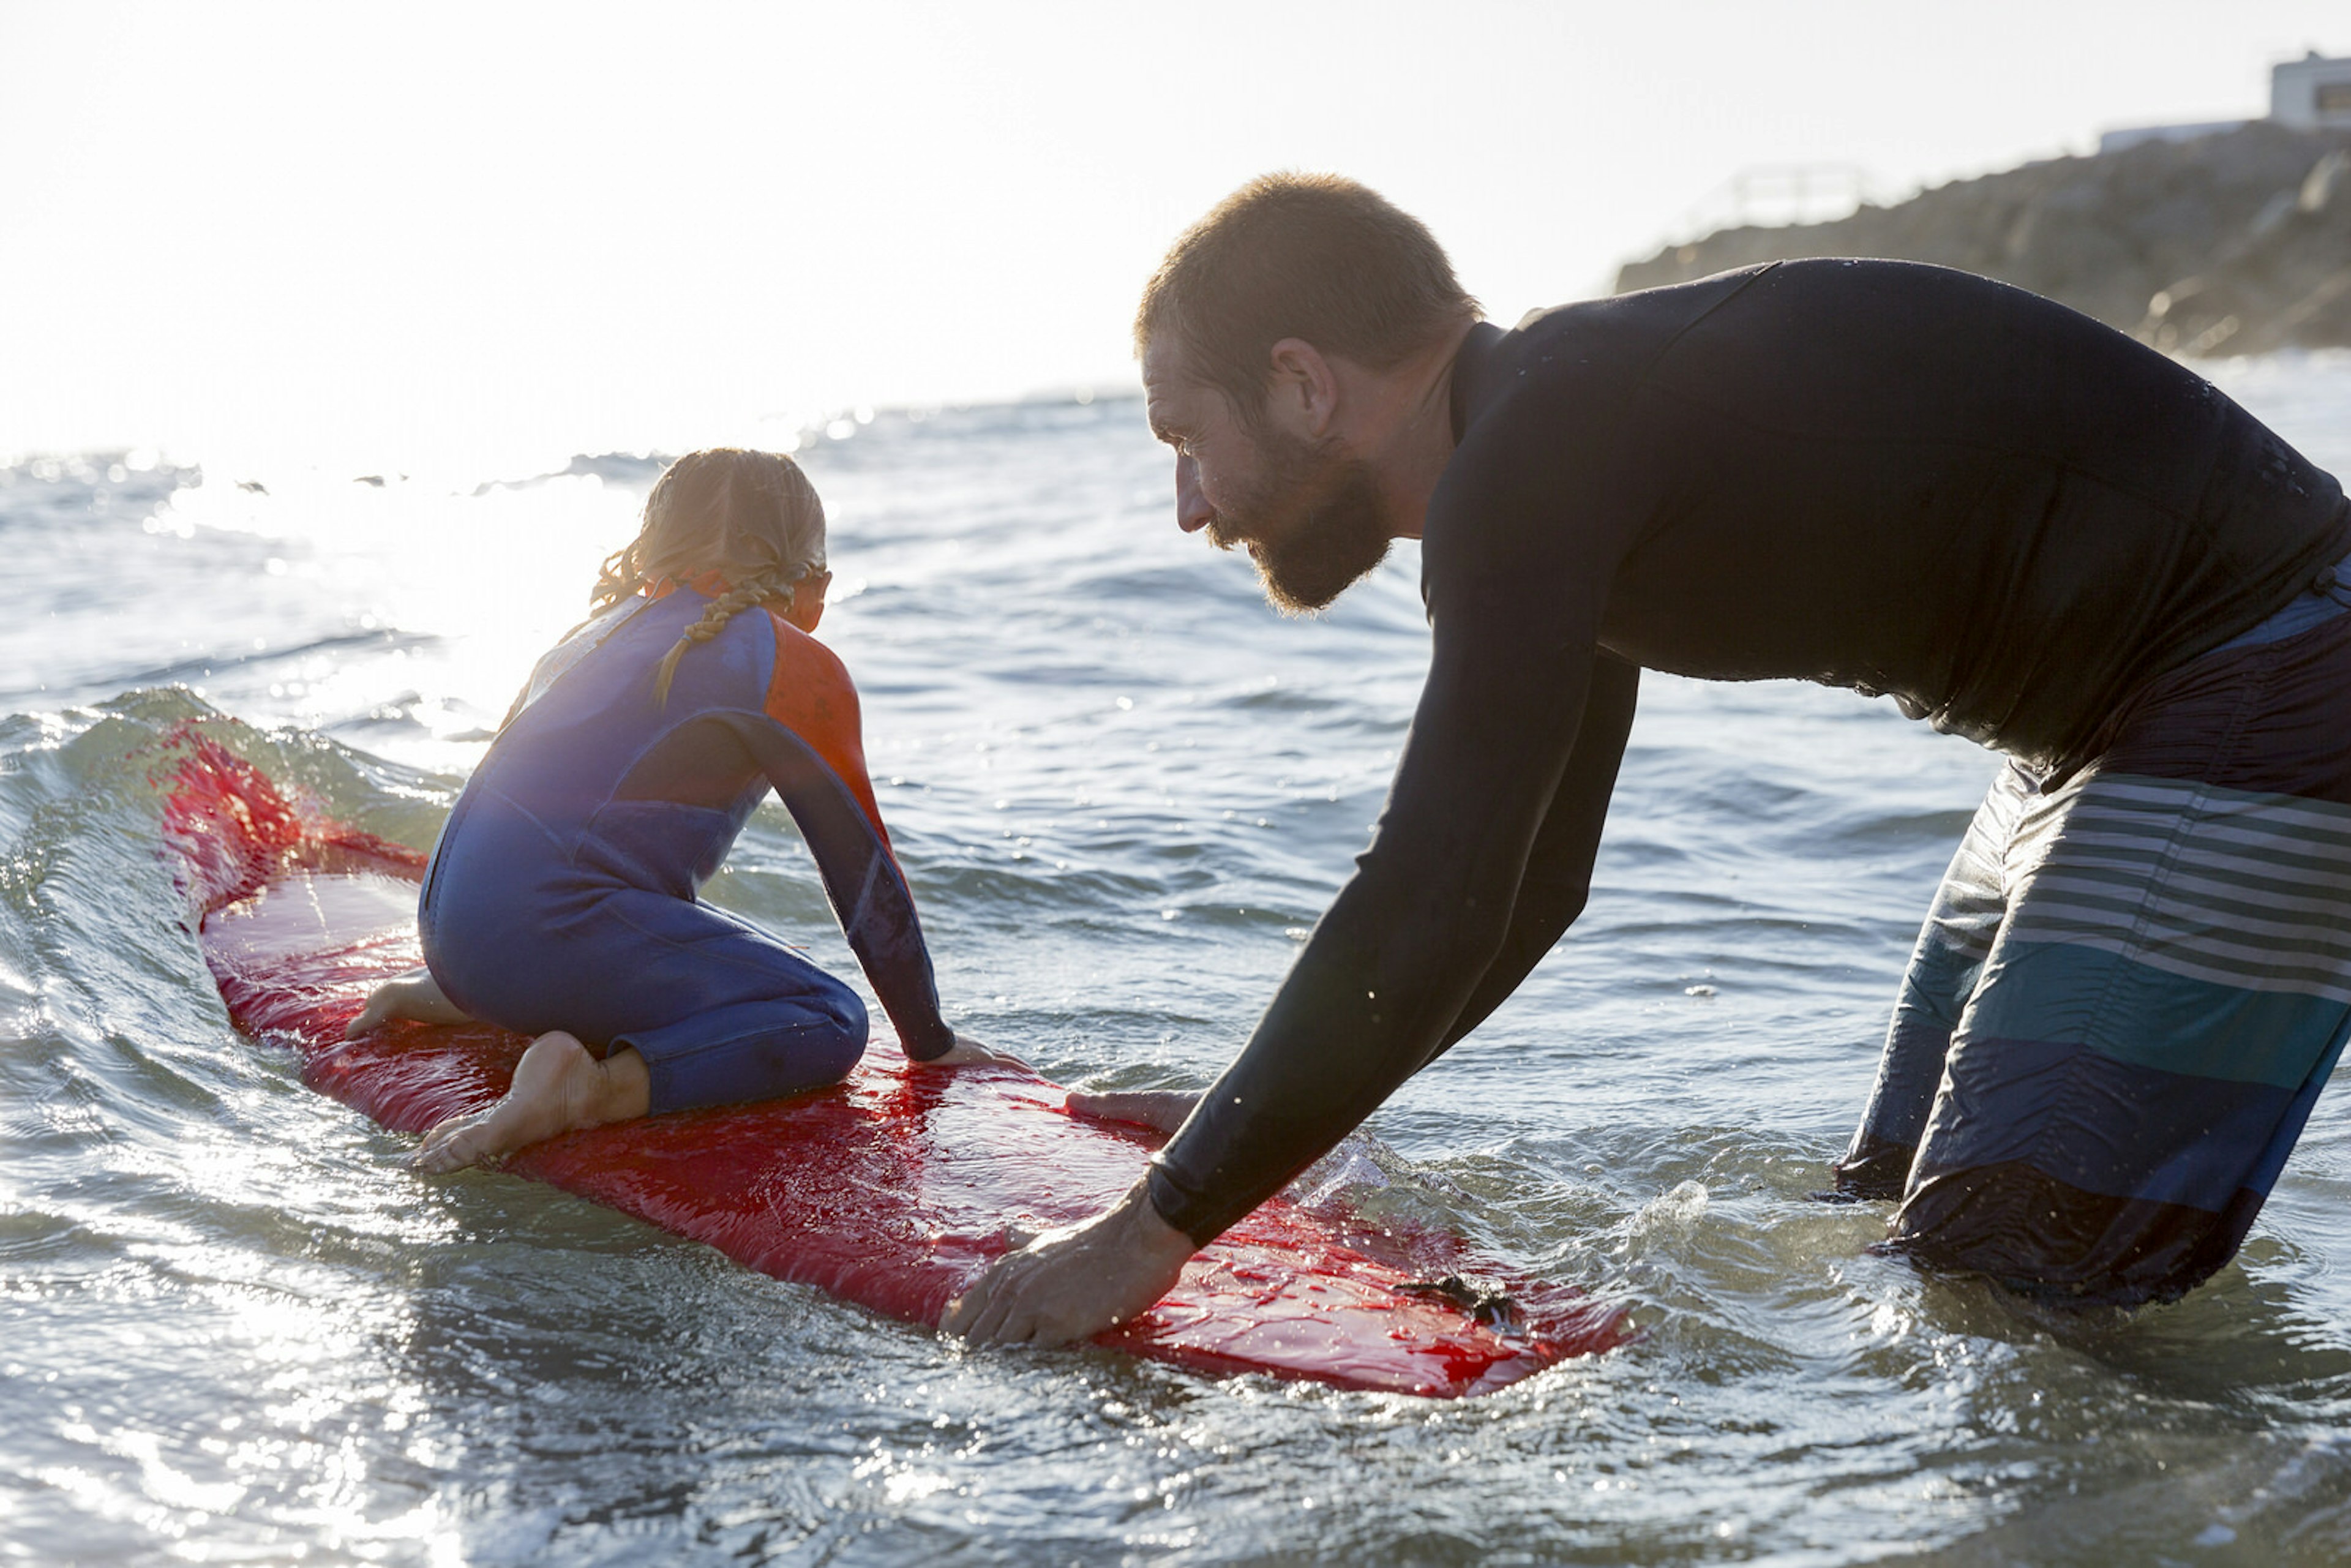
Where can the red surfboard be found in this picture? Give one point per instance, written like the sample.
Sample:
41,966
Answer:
891,1190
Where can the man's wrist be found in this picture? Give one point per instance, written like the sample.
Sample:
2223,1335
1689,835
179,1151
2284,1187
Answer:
1170,1204
1160,1238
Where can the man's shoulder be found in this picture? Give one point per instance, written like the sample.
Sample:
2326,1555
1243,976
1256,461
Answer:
1571,358
1799,287
1668,307
1541,413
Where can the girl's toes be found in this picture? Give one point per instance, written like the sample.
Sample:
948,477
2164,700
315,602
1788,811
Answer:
454,1144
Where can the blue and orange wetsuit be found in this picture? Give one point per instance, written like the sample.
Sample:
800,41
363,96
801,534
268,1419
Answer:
562,893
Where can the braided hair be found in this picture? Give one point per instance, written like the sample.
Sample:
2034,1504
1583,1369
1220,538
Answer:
751,516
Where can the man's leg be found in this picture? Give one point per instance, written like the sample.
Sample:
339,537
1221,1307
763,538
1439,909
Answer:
1952,945
2168,994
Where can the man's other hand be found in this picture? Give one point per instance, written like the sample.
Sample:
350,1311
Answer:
1162,1108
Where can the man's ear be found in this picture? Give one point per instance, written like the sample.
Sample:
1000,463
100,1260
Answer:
1302,390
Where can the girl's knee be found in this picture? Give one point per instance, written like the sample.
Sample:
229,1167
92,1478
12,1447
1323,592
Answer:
849,1013
836,1048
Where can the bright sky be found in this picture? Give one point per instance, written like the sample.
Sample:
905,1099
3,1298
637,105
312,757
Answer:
373,228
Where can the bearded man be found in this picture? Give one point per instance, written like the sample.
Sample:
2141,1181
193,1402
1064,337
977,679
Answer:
2025,527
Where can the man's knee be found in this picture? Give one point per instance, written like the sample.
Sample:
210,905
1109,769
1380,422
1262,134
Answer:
2046,1237
1873,1167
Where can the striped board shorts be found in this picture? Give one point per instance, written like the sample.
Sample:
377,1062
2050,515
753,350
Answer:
2132,986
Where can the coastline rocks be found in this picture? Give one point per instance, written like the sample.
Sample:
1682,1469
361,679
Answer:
2233,243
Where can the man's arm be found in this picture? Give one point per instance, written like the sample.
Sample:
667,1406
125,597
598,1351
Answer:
1322,1059
1558,878
1410,941
1557,882
1521,548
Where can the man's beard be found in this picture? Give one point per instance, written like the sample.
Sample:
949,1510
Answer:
1313,524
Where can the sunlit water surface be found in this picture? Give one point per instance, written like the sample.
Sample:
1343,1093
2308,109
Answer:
236,1329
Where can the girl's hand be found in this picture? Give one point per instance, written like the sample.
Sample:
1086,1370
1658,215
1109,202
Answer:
968,1052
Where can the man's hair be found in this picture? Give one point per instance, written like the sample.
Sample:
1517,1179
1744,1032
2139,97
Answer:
1314,256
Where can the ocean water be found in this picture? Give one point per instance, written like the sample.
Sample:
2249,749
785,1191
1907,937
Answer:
234,1328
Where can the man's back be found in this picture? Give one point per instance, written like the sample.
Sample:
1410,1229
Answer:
1890,476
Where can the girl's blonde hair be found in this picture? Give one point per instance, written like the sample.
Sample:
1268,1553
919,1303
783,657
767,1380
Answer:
751,516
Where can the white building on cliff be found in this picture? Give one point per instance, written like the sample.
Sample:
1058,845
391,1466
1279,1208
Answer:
2312,93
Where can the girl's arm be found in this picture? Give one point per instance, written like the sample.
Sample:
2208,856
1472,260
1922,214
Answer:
814,752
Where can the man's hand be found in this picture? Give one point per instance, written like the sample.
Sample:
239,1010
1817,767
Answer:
968,1052
1162,1108
1072,1283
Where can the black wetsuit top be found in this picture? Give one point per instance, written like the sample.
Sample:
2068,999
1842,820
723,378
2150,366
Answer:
1878,474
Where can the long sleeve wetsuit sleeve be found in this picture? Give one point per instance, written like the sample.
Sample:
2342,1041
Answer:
1427,936
812,749
1558,878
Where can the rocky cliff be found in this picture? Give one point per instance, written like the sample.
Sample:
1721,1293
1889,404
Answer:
2235,243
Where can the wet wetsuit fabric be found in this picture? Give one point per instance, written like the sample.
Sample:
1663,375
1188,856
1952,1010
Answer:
1895,478
562,894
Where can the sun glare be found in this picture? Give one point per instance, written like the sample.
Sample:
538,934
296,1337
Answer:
352,230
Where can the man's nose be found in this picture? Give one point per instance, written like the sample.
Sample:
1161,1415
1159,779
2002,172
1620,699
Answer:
1193,512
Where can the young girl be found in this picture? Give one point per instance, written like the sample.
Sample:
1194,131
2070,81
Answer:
561,901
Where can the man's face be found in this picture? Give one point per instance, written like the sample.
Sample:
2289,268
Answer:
1308,514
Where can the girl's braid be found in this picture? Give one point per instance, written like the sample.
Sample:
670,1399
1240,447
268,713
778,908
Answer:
769,584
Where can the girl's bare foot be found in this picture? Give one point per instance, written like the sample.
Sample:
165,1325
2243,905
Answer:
558,1087
413,996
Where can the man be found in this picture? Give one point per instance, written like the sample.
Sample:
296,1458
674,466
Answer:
2025,526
